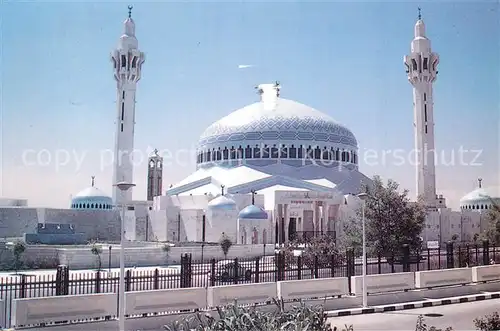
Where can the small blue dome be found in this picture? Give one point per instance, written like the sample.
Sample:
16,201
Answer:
92,198
253,212
222,202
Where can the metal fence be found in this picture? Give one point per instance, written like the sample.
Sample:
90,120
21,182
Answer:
191,273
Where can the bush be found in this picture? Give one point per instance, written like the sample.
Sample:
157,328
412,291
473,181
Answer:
237,318
488,323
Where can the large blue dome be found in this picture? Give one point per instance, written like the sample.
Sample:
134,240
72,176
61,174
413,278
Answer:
276,129
222,203
253,212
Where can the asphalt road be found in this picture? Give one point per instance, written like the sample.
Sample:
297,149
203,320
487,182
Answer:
458,316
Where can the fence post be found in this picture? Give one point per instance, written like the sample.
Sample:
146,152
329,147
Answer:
486,252
236,271
190,270
128,280
449,255
257,269
379,263
333,262
316,266
212,271
299,267
350,266
97,282
156,278
406,258
62,280
183,271
22,290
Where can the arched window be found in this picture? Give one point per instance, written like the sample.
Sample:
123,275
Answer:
317,153
248,152
283,152
240,153
209,156
265,152
274,152
292,152
225,154
256,152
325,154
92,205
233,153
255,236
88,205
300,152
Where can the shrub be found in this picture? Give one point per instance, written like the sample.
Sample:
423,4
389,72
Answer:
236,318
488,322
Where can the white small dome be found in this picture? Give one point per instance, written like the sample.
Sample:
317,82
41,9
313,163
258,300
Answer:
222,202
91,192
92,198
479,199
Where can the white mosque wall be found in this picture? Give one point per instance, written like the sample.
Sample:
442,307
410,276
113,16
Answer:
81,257
221,221
9,202
254,231
14,222
432,228
95,224
158,226
102,225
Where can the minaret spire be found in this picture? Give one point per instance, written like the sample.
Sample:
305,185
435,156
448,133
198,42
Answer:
222,189
421,69
480,180
93,179
127,68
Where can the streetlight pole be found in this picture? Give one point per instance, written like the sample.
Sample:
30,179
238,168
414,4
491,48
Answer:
365,291
123,186
364,197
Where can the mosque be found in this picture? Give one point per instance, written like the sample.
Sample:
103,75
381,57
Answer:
270,172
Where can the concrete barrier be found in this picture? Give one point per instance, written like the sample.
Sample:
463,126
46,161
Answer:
34,311
163,301
2,315
486,273
242,294
445,277
401,281
313,288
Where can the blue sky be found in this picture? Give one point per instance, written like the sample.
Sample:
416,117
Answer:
345,59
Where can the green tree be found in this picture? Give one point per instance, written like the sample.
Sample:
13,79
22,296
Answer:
391,220
492,231
96,250
18,249
225,244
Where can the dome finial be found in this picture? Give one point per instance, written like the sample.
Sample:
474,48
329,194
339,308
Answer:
130,11
419,13
222,189
93,180
253,196
479,180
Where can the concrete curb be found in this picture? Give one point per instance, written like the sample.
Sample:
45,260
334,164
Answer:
414,305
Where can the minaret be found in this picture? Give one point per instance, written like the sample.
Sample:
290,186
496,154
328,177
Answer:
127,63
155,175
421,68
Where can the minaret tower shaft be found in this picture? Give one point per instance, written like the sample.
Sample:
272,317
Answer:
155,175
127,64
421,69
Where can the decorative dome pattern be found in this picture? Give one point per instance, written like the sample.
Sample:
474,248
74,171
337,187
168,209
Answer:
479,199
92,198
277,129
289,120
253,212
222,203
